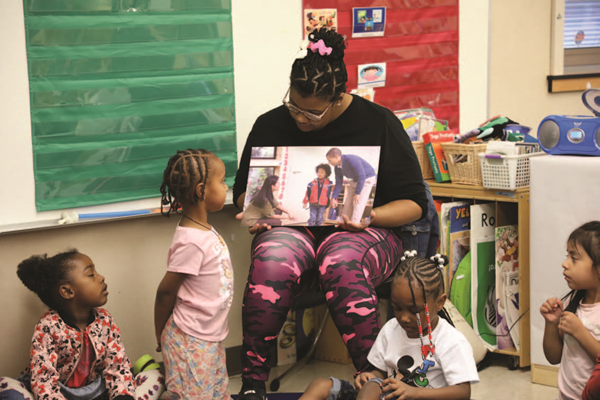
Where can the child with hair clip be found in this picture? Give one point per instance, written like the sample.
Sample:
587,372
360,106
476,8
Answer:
318,194
572,328
195,295
417,354
76,349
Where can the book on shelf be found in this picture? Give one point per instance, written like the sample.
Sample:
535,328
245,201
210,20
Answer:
483,277
459,245
433,145
507,262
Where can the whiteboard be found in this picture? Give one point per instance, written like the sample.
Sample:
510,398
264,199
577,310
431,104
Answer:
269,27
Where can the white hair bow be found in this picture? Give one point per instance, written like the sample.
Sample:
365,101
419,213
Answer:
303,49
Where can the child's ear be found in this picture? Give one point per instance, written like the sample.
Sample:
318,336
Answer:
441,300
200,191
66,292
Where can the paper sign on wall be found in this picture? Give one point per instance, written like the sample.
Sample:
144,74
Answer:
368,22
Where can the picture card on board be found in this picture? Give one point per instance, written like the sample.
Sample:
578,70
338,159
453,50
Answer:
371,75
368,21
316,18
310,186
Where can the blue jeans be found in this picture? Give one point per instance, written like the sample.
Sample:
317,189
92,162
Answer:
423,235
316,214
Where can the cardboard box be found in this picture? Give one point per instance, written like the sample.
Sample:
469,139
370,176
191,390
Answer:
439,165
331,347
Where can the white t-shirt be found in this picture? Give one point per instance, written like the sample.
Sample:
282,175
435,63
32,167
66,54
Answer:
451,364
205,296
575,365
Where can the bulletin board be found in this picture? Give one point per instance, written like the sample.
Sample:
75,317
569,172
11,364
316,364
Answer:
419,47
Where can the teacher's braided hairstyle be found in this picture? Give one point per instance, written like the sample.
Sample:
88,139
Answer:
185,170
322,76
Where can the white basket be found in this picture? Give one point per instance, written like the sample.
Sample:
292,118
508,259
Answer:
506,172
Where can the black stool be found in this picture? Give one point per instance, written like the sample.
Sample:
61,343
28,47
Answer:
313,298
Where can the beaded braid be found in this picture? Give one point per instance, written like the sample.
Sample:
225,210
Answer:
421,270
322,76
185,170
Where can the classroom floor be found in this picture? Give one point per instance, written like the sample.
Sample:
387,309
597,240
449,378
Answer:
497,382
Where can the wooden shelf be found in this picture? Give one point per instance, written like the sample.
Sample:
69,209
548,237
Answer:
521,198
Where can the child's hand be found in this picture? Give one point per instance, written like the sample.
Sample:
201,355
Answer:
551,310
569,323
355,200
362,378
158,348
394,388
334,203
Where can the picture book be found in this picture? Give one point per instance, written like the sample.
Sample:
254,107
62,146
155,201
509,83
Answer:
302,186
433,146
444,224
511,293
483,276
459,245
507,261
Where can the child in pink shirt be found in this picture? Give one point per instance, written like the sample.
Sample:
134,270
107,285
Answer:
571,333
195,295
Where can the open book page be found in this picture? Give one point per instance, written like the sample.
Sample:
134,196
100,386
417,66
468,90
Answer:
310,186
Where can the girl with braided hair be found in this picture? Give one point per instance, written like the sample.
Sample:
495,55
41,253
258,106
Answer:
76,349
417,354
349,260
195,295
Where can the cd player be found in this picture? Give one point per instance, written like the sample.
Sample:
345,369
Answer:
573,134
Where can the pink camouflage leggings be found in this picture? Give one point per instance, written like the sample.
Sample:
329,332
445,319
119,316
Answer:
350,266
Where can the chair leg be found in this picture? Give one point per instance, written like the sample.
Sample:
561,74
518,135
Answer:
275,383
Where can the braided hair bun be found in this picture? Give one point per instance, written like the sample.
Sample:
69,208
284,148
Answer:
321,75
331,39
42,274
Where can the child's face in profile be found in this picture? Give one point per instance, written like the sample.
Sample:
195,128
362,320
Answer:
87,285
334,160
578,269
406,309
321,174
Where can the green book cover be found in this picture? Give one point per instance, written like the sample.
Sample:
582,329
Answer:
483,272
433,161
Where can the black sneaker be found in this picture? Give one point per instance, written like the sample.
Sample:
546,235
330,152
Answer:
252,390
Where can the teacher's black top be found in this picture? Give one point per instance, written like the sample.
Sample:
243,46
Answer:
363,123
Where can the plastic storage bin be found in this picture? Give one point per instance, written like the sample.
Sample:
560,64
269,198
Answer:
463,163
423,159
506,172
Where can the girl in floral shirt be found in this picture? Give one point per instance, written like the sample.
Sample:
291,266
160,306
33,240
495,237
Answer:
76,350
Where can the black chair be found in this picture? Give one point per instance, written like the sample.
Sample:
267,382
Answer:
314,297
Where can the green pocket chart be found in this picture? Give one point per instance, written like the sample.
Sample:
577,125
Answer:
117,87
483,272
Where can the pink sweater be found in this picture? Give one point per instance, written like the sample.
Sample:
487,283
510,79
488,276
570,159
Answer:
56,350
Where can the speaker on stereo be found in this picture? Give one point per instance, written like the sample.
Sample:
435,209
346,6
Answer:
573,134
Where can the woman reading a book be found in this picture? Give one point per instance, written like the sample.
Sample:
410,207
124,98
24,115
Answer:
348,260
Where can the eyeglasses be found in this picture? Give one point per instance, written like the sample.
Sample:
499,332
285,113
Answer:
308,115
